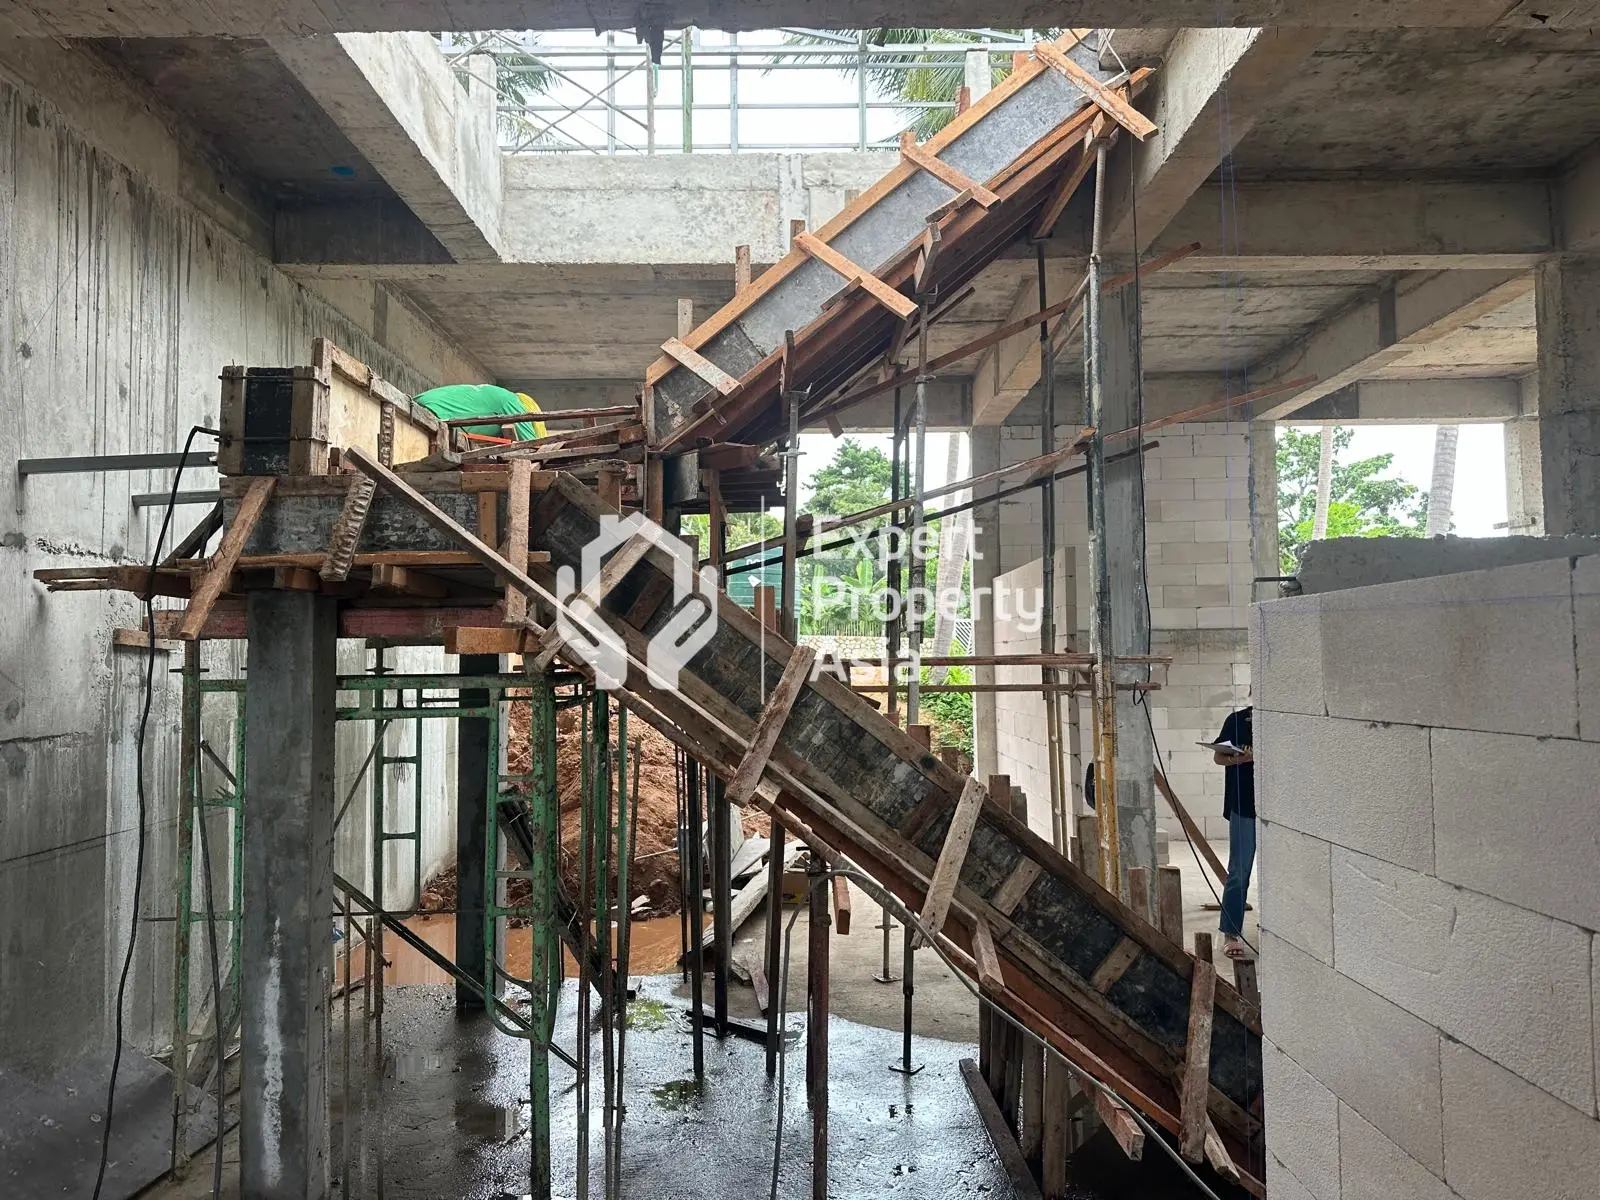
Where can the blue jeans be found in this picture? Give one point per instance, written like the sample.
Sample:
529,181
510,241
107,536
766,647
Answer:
1241,860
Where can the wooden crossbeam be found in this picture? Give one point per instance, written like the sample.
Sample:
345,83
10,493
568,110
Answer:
1195,1090
952,855
1128,1132
927,259
215,581
702,366
841,905
1114,105
795,674
406,581
517,535
1010,893
870,283
956,180
1217,1154
1113,966
616,568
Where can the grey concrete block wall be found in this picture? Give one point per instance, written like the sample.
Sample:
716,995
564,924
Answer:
1429,955
137,267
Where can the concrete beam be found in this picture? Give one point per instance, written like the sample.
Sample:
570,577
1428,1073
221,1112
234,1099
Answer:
1212,86
1387,225
241,18
365,233
1007,372
1417,402
1384,327
433,140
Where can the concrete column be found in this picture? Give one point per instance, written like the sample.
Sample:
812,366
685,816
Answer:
985,547
474,755
1125,556
1567,299
977,74
1264,504
287,952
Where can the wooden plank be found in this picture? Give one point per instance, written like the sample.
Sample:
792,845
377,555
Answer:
989,974
947,872
741,270
795,674
701,366
1010,893
296,579
1114,105
1169,903
1111,968
885,295
1246,981
1194,1093
922,280
841,904
1072,178
951,177
1053,1157
517,500
1005,1145
1217,1154
215,580
1197,839
1128,1132
195,540
408,581
685,316
489,516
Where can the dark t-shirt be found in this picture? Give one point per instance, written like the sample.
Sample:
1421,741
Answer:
1239,783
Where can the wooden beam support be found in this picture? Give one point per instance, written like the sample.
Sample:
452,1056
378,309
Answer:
990,976
741,272
1169,903
795,675
994,1123
1111,102
1195,1091
1010,893
841,904
840,265
1197,839
955,180
215,581
952,855
1128,1132
517,499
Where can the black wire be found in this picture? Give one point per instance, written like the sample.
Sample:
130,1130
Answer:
138,869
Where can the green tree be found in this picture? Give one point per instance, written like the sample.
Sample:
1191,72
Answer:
1365,502
519,77
931,77
857,478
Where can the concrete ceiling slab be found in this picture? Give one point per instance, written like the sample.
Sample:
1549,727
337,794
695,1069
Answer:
1400,102
243,99
190,18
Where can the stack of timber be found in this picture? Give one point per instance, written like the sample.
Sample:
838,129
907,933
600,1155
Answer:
846,301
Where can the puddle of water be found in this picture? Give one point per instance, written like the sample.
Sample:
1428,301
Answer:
677,1095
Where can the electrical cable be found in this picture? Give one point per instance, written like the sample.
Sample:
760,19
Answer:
142,805
913,920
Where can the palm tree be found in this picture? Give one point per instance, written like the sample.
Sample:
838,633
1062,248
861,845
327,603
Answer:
1442,494
928,78
1319,522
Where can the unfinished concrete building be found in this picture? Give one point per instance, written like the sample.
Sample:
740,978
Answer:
397,804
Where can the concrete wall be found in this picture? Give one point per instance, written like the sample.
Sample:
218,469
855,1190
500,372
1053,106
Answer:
1428,753
672,208
136,268
1198,543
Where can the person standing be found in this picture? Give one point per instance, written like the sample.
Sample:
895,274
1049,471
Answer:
1239,807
